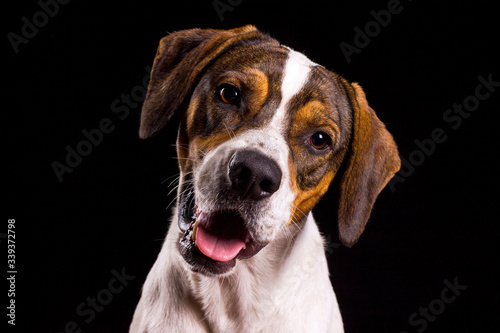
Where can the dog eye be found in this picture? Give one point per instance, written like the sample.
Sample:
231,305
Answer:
228,94
320,140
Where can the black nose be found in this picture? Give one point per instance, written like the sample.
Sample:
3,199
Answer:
253,176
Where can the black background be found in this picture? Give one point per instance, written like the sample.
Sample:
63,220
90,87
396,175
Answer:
109,212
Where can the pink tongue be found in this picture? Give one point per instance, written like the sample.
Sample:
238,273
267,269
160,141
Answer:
215,247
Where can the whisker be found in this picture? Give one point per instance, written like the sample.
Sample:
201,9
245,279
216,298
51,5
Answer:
176,179
189,185
170,203
229,131
176,197
294,221
183,158
173,189
168,178
299,210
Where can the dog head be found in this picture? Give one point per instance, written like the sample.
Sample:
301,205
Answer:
263,132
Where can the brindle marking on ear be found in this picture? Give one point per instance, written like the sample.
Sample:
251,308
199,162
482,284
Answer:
372,160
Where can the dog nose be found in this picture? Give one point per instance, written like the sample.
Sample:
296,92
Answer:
253,176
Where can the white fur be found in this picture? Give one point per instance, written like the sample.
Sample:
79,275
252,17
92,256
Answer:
296,72
284,288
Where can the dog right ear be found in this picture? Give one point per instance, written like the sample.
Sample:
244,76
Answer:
372,160
180,59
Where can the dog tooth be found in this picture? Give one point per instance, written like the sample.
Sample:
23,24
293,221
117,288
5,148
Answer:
195,227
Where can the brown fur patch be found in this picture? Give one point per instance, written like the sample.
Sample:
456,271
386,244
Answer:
320,106
305,200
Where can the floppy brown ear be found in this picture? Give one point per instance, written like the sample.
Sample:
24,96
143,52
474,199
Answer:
180,58
372,161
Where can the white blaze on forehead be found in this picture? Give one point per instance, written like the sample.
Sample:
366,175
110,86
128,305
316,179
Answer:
295,76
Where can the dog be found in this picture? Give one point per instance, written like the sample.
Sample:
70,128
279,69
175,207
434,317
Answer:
263,132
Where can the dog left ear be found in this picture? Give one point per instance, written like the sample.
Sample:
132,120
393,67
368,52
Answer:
372,161
180,58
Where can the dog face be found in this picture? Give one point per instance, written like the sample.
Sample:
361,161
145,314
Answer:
263,132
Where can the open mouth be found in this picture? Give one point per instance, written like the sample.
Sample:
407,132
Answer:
213,241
